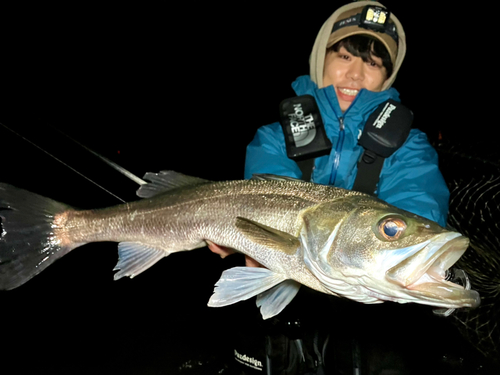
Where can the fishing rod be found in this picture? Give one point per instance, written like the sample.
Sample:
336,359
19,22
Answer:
109,162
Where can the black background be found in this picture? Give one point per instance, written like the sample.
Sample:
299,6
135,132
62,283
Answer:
184,88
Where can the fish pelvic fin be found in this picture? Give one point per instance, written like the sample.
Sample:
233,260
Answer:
274,300
27,241
241,283
135,258
165,181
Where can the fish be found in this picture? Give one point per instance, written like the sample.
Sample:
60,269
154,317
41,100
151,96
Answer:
335,241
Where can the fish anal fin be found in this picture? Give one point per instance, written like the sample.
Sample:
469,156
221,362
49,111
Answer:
274,300
134,258
266,236
165,181
241,283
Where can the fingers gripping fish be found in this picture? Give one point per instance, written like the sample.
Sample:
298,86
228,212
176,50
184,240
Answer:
336,241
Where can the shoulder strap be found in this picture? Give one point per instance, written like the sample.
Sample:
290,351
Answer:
306,167
369,167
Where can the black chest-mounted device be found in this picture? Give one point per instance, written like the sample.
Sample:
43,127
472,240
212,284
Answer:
305,135
385,131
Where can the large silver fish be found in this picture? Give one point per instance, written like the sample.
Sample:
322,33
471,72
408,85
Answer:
332,240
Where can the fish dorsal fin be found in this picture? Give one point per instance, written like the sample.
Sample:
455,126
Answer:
241,283
274,300
272,177
267,236
134,258
165,181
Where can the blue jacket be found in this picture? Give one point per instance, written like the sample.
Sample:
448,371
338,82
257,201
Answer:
410,178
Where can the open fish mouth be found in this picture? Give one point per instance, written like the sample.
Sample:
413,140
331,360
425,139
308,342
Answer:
426,275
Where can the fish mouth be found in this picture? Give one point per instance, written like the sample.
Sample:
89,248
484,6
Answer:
425,275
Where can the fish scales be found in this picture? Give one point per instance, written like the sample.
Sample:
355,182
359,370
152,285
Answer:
185,218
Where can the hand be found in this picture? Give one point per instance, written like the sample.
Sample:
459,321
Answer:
224,251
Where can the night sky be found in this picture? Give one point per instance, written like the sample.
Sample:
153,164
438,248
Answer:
153,88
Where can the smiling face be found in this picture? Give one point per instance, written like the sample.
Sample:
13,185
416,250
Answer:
348,74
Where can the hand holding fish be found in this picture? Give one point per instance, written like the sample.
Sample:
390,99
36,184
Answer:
225,251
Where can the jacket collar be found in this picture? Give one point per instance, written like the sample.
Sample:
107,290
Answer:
364,104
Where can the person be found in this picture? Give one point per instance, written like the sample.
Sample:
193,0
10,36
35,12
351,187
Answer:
352,69
351,73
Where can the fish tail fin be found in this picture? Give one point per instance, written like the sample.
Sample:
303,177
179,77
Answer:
28,244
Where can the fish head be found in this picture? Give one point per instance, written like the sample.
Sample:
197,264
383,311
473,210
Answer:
367,250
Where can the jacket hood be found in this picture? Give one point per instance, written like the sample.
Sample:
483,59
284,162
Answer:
317,59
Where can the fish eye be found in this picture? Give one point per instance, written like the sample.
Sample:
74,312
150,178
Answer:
391,228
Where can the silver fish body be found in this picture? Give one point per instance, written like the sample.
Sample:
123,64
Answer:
184,219
333,240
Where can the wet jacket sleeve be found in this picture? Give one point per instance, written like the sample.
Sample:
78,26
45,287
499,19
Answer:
267,154
411,180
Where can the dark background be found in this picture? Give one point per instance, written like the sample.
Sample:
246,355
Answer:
183,88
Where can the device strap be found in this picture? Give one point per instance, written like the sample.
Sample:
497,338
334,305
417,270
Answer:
369,168
306,166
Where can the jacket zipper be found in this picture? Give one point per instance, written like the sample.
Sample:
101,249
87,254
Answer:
338,149
340,142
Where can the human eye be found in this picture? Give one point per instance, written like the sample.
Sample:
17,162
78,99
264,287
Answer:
374,64
344,55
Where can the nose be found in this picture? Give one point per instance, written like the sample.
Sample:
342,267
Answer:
356,70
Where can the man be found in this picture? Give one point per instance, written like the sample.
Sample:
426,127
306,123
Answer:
352,69
348,86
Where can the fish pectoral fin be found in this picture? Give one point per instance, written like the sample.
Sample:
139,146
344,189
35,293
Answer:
267,236
274,300
241,283
134,258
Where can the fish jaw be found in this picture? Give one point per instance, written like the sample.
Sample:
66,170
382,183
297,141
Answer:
422,276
